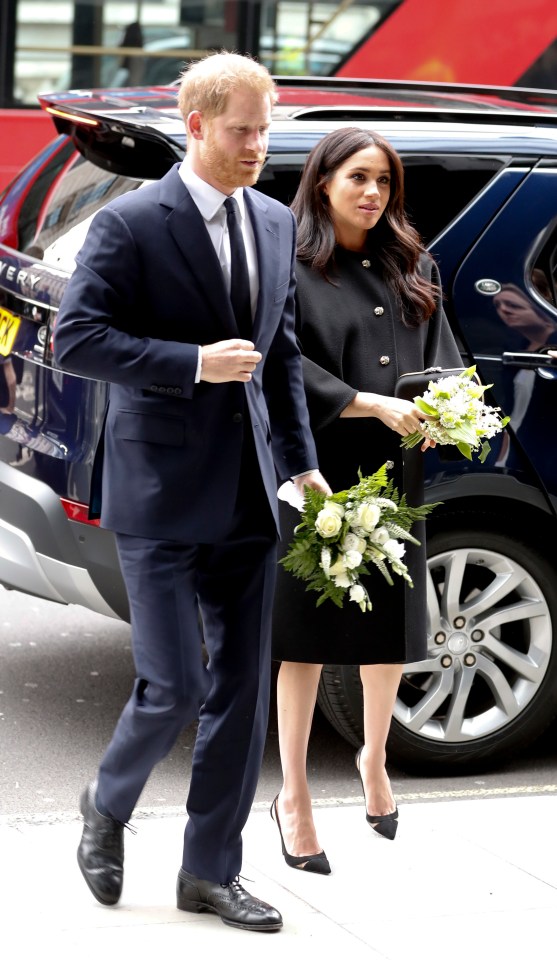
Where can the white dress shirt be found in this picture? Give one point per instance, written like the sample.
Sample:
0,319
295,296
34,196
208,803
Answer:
210,203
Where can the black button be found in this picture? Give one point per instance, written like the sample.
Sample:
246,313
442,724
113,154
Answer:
237,418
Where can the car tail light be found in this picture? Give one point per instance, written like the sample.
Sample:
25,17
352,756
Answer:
78,511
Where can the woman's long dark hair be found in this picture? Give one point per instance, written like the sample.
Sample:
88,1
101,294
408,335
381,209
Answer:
398,244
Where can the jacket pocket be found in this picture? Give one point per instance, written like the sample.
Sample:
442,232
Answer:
128,425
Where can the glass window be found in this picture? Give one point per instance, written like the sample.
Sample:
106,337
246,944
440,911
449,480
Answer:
313,39
32,205
62,44
438,188
544,271
453,181
77,196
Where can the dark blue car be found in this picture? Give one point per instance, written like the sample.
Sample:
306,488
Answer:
481,178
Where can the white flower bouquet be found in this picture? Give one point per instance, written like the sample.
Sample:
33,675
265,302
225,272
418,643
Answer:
340,535
461,417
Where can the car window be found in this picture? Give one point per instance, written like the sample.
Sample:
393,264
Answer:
74,200
544,270
34,200
437,188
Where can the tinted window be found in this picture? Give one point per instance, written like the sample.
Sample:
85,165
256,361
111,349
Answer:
437,188
77,196
32,205
544,271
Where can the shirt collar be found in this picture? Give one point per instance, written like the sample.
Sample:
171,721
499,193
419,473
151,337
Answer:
208,199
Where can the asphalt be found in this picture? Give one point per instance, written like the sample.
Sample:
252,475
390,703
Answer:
473,878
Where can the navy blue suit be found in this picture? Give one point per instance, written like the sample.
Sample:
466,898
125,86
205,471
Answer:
186,475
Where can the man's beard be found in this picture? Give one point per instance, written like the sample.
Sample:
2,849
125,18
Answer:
225,169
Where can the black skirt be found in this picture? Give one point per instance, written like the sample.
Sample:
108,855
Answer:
394,631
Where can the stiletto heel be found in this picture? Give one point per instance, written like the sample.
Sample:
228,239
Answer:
312,863
385,825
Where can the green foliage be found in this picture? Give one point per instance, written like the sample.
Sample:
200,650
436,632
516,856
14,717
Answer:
312,555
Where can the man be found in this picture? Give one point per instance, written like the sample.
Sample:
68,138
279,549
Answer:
200,422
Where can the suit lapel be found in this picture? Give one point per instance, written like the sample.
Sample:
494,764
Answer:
190,234
266,235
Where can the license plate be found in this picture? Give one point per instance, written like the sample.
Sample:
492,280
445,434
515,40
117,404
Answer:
9,325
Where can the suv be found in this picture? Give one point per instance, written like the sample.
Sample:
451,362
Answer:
481,180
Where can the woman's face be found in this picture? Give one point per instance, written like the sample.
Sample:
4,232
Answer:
358,195
517,312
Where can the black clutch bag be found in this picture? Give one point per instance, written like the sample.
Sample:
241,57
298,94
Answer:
410,385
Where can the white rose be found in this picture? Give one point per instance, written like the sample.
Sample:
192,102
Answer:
394,549
334,507
328,522
367,516
353,542
379,535
352,559
342,580
357,593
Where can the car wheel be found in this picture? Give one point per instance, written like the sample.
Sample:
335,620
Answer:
489,685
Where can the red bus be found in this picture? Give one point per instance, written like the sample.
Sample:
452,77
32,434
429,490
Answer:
63,44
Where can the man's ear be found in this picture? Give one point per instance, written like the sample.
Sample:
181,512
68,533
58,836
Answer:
194,125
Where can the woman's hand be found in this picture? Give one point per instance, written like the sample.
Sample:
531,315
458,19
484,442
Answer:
399,415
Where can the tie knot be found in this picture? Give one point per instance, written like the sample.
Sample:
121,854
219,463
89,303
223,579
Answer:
231,207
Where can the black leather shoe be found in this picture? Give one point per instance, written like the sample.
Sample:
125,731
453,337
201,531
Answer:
101,852
230,901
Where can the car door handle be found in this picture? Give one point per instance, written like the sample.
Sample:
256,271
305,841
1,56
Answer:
528,361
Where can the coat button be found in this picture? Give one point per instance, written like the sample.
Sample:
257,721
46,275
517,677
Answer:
237,418
384,360
378,311
366,263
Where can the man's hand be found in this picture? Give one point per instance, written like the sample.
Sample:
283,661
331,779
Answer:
229,360
313,479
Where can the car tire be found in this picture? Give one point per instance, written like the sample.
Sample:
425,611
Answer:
483,695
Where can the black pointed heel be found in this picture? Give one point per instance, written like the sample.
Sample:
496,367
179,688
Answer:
385,825
312,863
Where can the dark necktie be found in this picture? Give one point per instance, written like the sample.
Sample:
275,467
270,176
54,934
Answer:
239,276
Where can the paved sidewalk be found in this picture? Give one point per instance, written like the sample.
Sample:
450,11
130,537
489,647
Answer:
464,878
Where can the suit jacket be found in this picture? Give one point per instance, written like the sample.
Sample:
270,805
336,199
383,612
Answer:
146,291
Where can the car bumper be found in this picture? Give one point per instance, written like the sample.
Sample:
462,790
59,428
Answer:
44,553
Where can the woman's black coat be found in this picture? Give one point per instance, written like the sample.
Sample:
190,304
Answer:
353,339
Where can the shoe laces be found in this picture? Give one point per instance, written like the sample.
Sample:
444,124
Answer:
126,826
235,883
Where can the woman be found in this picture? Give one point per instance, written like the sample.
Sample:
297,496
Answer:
519,313
369,309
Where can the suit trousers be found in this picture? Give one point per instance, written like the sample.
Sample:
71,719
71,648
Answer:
181,595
